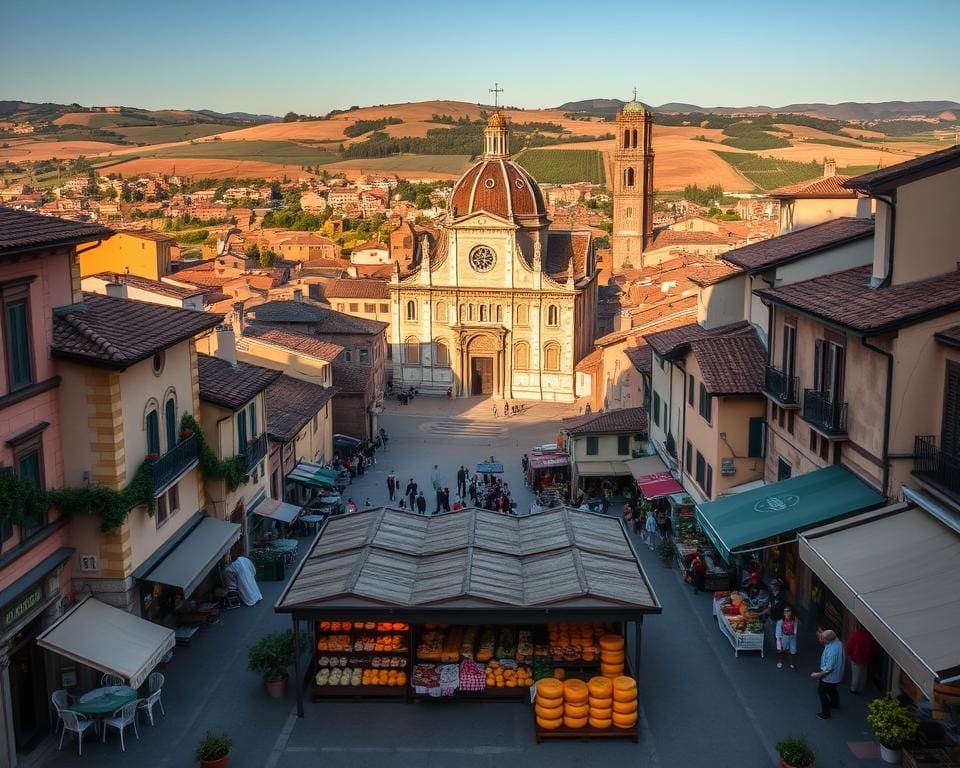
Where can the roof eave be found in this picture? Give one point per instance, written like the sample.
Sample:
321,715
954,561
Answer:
796,256
17,250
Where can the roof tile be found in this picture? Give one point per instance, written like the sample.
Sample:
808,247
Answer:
731,365
24,231
231,386
607,422
801,243
298,342
291,403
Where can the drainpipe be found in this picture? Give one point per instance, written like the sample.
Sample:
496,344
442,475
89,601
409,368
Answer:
892,207
886,410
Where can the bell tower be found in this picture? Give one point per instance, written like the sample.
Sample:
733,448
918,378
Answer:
632,186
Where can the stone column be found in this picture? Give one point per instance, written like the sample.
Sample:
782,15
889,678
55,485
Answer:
8,745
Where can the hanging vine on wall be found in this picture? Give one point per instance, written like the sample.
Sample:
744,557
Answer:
231,470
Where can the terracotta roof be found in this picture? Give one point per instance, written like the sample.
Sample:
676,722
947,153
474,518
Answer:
352,377
291,404
710,274
950,336
323,319
202,275
823,186
567,254
731,365
591,360
904,173
149,234
116,333
607,422
668,238
158,287
378,271
304,239
298,342
371,245
846,299
677,340
357,289
800,244
232,386
497,186
641,356
22,231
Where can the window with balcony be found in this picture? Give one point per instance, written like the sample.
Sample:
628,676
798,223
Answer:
15,303
593,445
940,466
788,350
823,406
153,432
170,422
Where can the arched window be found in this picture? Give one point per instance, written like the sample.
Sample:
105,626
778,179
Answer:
629,177
634,138
499,314
551,356
411,310
629,212
411,350
626,139
553,315
523,318
441,311
470,312
151,425
483,313
170,421
441,353
521,355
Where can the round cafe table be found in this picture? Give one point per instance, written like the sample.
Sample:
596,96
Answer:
332,499
312,520
104,701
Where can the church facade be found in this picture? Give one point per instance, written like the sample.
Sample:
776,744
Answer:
632,187
498,304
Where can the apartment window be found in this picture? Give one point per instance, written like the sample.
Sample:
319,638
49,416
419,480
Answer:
354,306
950,423
441,353
441,311
384,309
690,390
829,369
347,356
242,430
791,420
824,448
623,445
411,350
783,470
153,432
364,355
168,504
781,416
701,471
411,310
252,413
813,441
339,306
788,354
656,408
773,411
523,315
688,463
370,309
705,403
708,487
755,437
553,315
161,513
28,460
521,355
170,422
551,356
15,301
593,445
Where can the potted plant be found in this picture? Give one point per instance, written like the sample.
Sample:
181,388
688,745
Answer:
795,753
893,726
667,551
214,750
271,656
269,563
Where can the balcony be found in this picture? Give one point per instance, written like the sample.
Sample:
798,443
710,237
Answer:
255,451
169,467
935,467
827,417
782,388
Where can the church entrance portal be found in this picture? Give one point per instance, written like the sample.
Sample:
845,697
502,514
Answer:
481,375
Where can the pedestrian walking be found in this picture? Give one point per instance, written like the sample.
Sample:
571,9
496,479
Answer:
651,530
506,409
445,499
439,501
628,516
411,493
494,410
421,503
832,662
392,483
786,634
462,481
638,520
860,652
435,477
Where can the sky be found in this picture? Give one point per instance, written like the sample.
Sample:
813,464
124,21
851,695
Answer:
311,56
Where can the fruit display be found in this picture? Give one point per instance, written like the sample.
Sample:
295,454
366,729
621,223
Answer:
376,662
360,654
574,642
734,609
391,677
507,675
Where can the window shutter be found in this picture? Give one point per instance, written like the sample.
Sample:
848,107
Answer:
170,416
755,441
818,365
950,429
709,486
690,391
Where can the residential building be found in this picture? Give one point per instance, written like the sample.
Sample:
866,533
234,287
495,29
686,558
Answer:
370,252
166,291
38,271
358,403
600,444
305,247
817,200
367,299
140,252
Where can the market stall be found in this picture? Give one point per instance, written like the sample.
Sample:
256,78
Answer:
466,605
738,619
548,473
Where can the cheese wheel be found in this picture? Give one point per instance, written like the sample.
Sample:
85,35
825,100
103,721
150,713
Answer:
612,657
548,713
575,691
611,643
550,688
611,670
549,724
624,696
574,722
624,721
602,713
625,683
576,710
599,722
625,707
600,688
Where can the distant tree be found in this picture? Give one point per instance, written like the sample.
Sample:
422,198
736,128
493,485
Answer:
291,117
267,257
252,251
422,201
276,193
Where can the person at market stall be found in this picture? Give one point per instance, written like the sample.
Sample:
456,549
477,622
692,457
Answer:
786,635
698,571
462,481
351,507
778,601
651,530
832,662
627,516
860,652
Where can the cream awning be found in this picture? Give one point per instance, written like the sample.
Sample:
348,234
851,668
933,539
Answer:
896,570
108,639
601,468
277,510
645,465
194,557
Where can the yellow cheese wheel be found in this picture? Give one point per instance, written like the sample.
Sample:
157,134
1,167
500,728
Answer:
611,670
601,713
599,722
600,688
550,687
576,710
625,683
548,713
624,721
549,701
574,722
549,724
575,691
611,643
624,696
612,657
625,707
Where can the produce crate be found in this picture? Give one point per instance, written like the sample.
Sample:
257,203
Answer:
356,692
926,757
587,733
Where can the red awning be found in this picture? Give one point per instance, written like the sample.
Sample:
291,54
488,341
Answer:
549,461
657,485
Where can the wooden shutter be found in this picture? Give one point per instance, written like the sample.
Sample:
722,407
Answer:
755,440
950,428
818,365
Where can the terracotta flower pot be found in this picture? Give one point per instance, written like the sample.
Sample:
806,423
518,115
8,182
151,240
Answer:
277,689
222,762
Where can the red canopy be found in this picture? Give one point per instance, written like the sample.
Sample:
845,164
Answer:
549,460
659,484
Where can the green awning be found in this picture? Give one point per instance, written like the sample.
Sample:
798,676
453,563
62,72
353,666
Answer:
328,476
735,522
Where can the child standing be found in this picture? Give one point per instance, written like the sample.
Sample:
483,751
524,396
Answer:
786,633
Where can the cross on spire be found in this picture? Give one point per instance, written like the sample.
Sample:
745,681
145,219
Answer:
496,91
634,93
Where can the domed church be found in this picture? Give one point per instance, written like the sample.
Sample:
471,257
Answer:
499,303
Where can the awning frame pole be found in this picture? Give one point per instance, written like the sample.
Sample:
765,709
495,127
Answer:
638,631
298,676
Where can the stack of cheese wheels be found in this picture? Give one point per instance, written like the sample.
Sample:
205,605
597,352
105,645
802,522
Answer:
601,702
624,702
611,656
576,708
549,703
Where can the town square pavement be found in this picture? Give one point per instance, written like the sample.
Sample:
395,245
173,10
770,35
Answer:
700,706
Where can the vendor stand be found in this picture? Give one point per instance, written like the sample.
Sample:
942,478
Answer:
466,605
548,473
737,618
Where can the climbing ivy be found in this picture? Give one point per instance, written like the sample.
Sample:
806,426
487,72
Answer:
231,470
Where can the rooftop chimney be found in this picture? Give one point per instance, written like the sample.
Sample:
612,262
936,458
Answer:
237,319
829,167
116,289
298,294
226,343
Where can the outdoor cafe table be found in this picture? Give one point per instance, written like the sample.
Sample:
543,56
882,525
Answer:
104,701
312,520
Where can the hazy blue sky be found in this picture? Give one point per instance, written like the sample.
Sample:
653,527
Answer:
314,55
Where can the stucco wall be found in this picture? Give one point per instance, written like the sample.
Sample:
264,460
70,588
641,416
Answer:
806,212
722,302
145,258
926,238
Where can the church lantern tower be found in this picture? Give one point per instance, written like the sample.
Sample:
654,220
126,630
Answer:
632,186
496,139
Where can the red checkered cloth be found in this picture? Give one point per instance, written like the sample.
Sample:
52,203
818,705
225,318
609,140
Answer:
472,676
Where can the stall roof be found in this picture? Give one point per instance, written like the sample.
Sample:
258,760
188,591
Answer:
646,465
108,639
313,475
895,570
549,460
189,563
601,468
468,562
790,505
277,510
658,485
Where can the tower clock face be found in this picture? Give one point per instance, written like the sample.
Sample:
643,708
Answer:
483,258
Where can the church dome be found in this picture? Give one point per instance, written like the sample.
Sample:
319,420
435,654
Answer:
498,186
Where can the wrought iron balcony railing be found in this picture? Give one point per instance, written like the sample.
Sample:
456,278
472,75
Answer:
934,466
256,449
781,387
172,464
824,414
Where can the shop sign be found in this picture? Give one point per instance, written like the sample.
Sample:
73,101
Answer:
775,504
15,611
